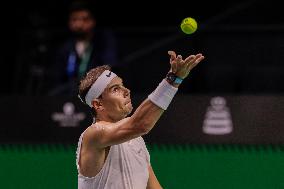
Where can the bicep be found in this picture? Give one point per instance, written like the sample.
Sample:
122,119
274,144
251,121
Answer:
116,133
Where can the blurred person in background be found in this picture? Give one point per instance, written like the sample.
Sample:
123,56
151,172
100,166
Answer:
87,47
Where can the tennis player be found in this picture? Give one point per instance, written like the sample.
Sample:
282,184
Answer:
111,153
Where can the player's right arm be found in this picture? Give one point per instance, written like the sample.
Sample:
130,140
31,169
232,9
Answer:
145,116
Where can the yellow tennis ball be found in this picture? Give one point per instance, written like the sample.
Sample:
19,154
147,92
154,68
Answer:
188,25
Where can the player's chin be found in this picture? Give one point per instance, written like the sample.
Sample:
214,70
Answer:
128,108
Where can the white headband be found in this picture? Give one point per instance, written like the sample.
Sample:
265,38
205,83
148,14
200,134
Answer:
99,86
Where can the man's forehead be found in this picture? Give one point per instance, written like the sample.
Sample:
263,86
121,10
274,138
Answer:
115,81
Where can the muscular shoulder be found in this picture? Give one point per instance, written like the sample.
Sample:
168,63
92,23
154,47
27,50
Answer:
93,133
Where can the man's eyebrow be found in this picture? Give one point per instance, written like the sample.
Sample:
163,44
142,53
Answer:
115,85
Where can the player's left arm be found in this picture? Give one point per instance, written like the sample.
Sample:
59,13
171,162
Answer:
153,182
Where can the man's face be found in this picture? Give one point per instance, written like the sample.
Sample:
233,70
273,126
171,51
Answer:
81,22
116,100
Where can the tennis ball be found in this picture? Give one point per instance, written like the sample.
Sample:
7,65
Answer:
188,25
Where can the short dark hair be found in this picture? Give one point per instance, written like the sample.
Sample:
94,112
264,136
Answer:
79,5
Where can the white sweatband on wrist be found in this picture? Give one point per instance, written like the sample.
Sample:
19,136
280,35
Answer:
163,94
99,86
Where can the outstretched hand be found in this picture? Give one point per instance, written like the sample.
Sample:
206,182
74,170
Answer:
182,67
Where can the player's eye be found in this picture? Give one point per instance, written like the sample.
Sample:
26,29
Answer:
115,89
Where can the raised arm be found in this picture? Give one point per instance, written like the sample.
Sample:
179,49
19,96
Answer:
150,110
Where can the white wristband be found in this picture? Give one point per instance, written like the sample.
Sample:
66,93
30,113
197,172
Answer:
163,94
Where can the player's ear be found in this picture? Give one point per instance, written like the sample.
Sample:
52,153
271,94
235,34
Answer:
97,104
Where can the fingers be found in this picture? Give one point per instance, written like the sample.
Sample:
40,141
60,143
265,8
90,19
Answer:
179,59
190,59
198,58
174,66
173,56
178,63
172,53
174,61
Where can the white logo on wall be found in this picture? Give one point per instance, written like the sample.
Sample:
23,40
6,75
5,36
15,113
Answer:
217,118
68,118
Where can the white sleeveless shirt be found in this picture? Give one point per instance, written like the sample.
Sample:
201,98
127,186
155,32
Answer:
126,167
